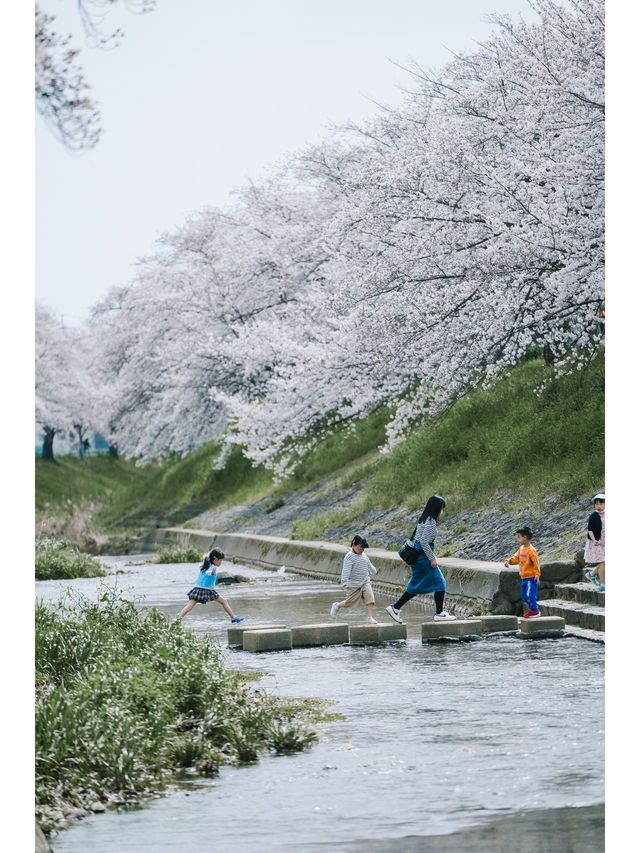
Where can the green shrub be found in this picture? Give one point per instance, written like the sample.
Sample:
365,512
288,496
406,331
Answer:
125,699
57,558
177,554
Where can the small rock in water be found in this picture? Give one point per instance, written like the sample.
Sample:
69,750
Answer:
281,570
97,808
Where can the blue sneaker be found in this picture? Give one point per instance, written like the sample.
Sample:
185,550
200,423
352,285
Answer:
237,619
591,576
600,587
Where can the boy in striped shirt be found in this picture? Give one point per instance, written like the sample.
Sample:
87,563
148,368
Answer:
356,579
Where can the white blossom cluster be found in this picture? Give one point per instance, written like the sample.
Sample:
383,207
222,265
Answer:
401,262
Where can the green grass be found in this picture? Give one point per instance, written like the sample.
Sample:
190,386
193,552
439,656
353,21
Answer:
171,490
125,700
56,558
69,480
177,554
511,442
508,437
168,490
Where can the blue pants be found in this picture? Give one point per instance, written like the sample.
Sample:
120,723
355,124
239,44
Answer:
529,592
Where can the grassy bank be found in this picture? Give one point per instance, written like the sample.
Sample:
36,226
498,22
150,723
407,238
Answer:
82,497
518,442
125,701
57,558
533,434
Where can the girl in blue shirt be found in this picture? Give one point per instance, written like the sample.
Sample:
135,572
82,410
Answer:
203,589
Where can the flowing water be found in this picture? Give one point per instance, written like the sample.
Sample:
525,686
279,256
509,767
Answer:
489,745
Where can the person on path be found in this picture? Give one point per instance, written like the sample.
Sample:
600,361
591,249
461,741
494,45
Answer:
356,579
203,588
526,557
426,576
594,549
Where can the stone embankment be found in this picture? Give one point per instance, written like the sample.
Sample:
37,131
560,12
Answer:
474,587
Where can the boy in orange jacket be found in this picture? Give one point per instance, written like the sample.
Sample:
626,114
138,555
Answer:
526,557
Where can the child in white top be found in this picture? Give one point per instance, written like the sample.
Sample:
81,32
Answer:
356,579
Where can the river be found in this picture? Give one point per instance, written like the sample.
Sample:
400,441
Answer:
493,745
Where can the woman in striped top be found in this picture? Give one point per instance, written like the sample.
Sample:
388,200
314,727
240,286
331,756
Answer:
425,575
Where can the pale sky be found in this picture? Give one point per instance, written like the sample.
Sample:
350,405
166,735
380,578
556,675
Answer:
203,94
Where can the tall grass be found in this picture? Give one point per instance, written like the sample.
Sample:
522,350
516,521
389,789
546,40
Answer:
177,554
526,435
57,558
125,699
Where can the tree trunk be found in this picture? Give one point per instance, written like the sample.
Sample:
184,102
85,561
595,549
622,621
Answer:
47,444
113,451
547,354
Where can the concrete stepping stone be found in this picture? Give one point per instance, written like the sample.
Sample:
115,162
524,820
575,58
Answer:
541,626
235,634
371,635
494,624
322,634
267,640
455,629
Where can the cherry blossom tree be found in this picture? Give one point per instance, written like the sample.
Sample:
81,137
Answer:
470,226
401,262
67,397
62,94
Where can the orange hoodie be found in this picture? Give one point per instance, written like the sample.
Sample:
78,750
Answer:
527,557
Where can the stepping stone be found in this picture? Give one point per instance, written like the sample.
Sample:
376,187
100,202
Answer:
454,629
491,624
267,640
235,634
374,634
323,634
542,626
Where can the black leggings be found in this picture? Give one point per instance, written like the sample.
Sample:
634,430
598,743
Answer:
438,597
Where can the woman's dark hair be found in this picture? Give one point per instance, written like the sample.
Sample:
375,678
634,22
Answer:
214,554
360,540
433,508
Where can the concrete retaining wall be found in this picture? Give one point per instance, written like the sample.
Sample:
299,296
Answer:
473,586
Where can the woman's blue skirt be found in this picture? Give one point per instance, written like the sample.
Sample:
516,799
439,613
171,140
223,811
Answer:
424,578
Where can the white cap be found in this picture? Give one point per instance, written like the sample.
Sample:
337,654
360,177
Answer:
598,497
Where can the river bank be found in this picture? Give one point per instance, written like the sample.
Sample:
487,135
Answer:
486,731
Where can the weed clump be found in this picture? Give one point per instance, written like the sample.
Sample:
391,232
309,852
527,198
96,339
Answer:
58,558
177,554
125,700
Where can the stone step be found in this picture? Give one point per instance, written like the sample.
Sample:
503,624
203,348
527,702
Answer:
267,640
586,593
322,634
494,624
574,612
541,627
455,629
235,634
585,633
371,635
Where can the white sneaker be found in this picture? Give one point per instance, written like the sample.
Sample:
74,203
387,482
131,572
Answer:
443,616
395,614
371,621
334,609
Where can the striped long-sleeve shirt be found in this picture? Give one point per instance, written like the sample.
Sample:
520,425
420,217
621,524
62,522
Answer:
356,570
425,533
